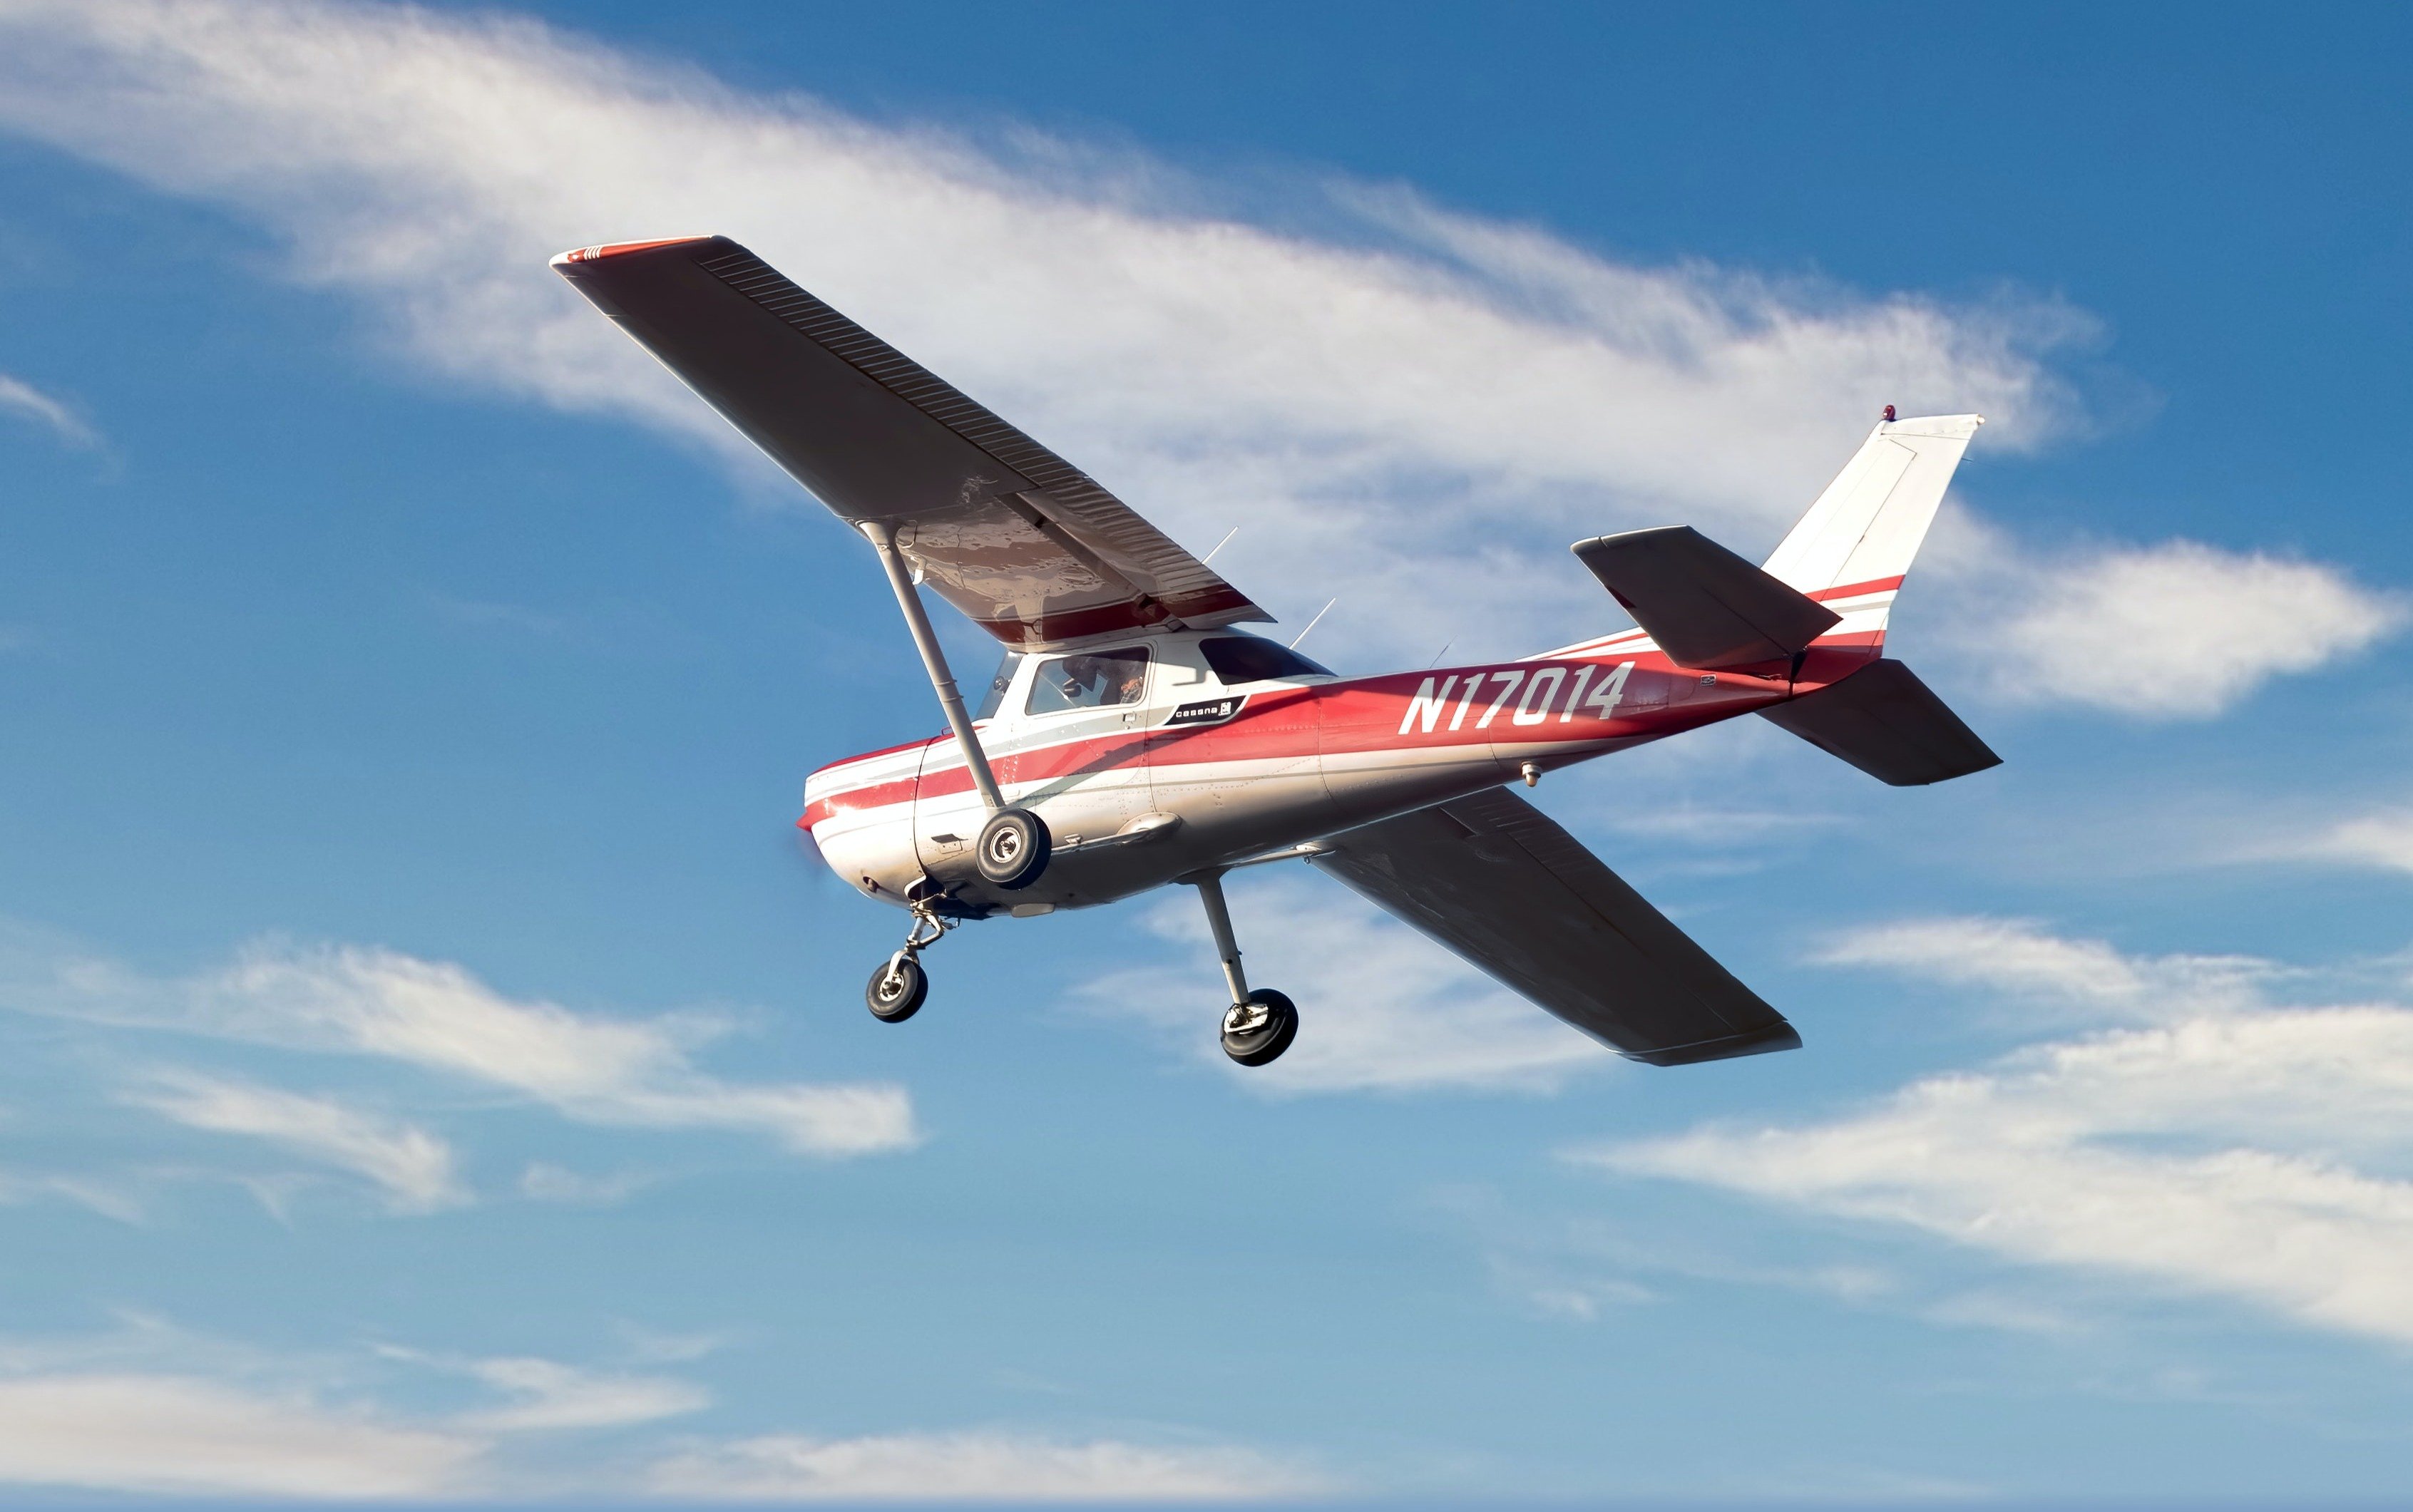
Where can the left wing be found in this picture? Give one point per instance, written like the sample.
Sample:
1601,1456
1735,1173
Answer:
1495,880
1005,529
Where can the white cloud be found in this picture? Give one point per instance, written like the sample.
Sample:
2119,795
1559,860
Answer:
990,1466
553,1396
2178,630
1380,1008
631,1073
547,1182
184,1435
2382,839
414,1167
21,399
2234,1148
1421,404
2017,958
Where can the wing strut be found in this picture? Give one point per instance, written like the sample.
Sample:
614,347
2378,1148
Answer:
934,661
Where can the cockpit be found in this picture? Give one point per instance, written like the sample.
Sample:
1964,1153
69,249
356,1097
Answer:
1117,676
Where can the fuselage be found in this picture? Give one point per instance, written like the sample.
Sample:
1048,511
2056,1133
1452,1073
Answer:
1154,756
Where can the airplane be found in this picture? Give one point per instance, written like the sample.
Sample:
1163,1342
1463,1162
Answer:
1134,737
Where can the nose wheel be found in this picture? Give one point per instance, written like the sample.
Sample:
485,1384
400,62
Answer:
896,990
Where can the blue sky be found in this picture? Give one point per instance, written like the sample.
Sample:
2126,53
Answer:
429,1071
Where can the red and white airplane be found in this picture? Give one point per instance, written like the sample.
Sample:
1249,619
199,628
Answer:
1131,737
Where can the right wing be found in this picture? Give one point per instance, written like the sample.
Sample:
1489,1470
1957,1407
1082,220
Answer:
1495,880
1008,532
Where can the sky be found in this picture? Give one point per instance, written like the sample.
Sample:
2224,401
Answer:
431,1071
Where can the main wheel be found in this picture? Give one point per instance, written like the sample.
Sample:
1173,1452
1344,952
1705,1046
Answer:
896,990
1013,848
1257,1031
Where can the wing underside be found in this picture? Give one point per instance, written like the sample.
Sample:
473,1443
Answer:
1495,880
1016,537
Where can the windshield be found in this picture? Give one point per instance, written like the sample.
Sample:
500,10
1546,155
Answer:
1099,679
997,684
1247,659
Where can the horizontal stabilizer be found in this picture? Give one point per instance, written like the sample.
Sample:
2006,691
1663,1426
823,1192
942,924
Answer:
1885,721
1705,605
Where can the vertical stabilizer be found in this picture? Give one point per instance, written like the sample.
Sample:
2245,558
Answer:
1853,548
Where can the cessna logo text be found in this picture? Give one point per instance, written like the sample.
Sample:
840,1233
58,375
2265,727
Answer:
1211,711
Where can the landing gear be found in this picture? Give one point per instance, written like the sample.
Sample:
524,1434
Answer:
1013,848
896,991
1259,1025
1259,1029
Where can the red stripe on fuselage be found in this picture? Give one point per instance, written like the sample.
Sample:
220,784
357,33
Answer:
1361,716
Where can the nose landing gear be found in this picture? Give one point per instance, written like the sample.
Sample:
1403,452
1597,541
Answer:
1259,1025
896,991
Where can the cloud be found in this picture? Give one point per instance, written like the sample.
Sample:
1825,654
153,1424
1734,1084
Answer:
184,1435
2382,839
1380,1008
968,1467
552,1396
2234,1146
622,1072
1423,404
2178,630
2016,958
414,1167
547,1182
21,399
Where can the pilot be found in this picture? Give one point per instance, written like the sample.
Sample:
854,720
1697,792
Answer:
1129,677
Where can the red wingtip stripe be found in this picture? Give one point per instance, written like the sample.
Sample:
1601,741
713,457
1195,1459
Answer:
613,249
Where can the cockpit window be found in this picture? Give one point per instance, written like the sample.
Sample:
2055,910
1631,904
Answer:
997,684
1097,681
1247,659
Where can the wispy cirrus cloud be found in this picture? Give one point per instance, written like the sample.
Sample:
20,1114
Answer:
153,1409
630,1073
25,402
414,1168
2221,1142
1420,404
986,1465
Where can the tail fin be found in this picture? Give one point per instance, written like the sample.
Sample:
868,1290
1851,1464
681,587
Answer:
1852,550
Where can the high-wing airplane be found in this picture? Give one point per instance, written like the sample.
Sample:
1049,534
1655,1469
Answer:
1131,737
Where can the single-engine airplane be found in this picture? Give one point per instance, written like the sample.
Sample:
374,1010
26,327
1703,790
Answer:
1132,737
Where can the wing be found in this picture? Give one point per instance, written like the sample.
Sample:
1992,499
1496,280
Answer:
1002,527
1495,880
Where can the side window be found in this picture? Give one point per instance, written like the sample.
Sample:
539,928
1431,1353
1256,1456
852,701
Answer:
1098,680
1247,659
997,684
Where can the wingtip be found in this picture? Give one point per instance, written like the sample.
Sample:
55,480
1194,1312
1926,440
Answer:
612,249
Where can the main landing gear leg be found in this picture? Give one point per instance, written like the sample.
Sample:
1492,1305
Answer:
896,990
1259,1025
1013,847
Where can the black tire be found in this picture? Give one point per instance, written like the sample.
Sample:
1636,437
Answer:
1013,849
895,993
1267,1040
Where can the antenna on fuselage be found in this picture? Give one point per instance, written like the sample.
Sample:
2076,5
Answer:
1439,654
1312,624
1219,545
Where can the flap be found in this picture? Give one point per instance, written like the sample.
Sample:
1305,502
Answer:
1000,527
1500,883
1705,605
